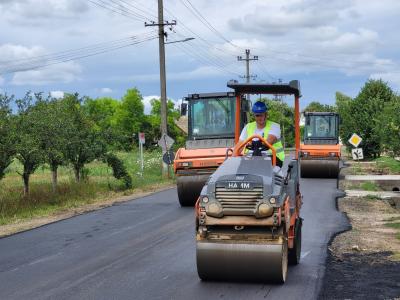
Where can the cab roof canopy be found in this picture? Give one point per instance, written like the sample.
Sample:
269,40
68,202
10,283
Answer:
291,88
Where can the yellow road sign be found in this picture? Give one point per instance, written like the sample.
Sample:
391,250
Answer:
355,140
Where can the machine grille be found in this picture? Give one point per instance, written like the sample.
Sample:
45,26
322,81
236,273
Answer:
233,200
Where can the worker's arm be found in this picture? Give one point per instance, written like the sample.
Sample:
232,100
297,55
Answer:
271,139
274,134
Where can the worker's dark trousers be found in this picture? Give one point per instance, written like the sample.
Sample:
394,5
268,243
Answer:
279,163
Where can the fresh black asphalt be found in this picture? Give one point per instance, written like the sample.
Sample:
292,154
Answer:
145,249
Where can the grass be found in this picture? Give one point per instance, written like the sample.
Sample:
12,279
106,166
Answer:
369,186
389,164
99,185
393,225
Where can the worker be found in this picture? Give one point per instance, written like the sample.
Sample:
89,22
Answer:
265,128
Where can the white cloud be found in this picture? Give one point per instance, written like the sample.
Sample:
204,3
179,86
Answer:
26,12
61,73
106,90
1,80
147,104
393,78
57,94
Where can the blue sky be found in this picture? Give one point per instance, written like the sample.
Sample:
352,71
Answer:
329,46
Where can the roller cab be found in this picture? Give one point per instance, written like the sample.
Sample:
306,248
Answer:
320,151
212,130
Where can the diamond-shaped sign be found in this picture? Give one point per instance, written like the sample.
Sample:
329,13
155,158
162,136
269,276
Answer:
165,142
355,140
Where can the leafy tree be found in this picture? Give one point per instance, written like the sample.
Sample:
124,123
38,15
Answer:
7,134
28,149
84,143
361,115
389,127
129,116
152,125
315,106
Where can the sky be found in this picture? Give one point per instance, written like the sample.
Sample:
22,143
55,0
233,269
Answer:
101,48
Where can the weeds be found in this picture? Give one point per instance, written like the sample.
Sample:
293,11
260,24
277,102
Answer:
99,184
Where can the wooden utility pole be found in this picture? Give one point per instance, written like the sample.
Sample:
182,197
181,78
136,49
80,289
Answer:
163,82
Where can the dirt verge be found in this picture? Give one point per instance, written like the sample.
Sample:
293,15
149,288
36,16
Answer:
364,262
23,225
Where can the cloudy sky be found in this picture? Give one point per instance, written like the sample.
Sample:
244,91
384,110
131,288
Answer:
104,47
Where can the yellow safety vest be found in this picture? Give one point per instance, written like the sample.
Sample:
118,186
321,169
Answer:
251,129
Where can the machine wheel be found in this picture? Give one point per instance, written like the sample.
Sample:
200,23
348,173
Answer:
295,252
189,188
284,264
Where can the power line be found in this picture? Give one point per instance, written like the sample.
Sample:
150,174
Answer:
203,20
118,10
95,51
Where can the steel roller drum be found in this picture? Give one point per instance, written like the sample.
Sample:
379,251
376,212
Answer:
189,188
319,168
242,261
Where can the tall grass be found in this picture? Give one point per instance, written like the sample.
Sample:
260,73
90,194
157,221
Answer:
100,184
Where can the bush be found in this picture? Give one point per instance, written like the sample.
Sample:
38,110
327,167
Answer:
119,170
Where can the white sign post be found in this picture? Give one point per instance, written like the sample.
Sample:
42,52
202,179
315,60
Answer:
142,141
357,153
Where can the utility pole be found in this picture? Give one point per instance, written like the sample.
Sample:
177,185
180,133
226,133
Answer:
163,82
247,60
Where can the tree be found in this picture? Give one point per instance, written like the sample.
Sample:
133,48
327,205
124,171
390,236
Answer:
388,127
361,114
27,145
7,134
129,116
84,143
315,106
152,124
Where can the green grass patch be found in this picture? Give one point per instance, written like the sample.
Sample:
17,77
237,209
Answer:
369,186
393,225
389,164
99,185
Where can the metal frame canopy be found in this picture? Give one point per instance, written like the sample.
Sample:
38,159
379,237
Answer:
291,88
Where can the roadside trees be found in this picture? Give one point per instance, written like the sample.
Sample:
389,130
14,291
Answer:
7,134
28,150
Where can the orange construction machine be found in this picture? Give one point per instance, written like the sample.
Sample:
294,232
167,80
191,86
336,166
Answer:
212,130
320,151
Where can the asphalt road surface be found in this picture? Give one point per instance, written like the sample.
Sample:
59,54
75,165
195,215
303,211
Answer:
145,249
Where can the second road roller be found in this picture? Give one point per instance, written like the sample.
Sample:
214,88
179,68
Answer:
248,224
320,151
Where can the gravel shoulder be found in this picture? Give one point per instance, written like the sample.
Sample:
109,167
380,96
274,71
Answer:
364,262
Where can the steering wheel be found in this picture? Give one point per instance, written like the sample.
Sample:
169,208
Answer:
259,145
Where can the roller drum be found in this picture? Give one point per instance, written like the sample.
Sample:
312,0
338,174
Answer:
242,261
189,188
319,168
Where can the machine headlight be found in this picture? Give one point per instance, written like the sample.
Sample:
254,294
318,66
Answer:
214,209
272,200
186,164
265,210
304,154
205,199
332,154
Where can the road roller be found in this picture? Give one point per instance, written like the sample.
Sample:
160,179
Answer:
248,224
320,151
211,131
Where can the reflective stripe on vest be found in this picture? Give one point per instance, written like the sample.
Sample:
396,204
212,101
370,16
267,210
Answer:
251,129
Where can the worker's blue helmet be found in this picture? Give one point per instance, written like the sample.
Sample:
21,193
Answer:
259,107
